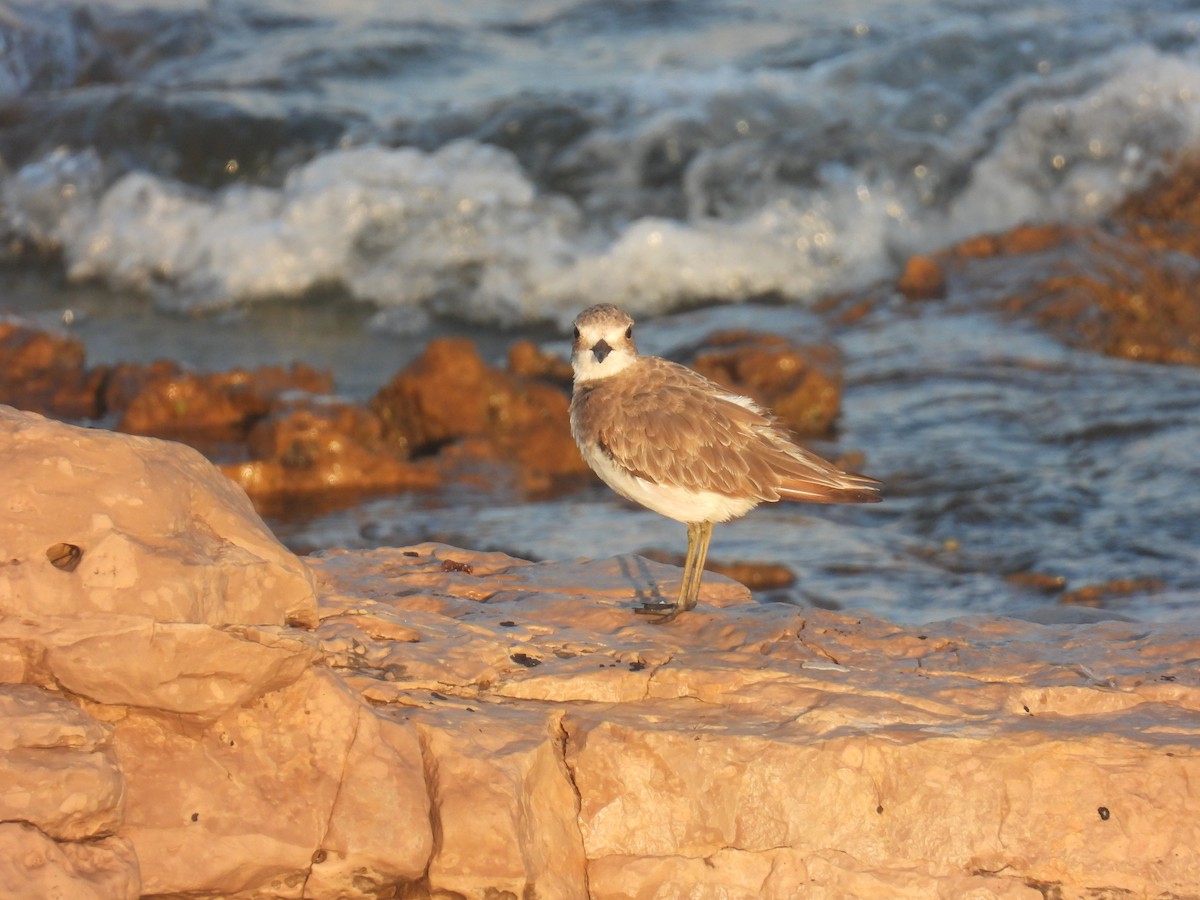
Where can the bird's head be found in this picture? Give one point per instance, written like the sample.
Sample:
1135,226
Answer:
604,343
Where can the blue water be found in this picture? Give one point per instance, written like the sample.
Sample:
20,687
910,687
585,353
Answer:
230,183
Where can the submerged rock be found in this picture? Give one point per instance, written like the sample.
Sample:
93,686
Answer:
470,724
47,373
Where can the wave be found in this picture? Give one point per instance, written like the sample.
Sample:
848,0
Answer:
775,176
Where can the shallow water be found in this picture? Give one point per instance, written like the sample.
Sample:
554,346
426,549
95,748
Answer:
1002,452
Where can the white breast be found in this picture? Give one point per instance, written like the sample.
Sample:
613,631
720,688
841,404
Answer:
668,500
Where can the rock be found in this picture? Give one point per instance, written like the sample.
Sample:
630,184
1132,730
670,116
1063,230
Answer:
57,770
34,866
480,726
922,279
792,382
306,792
489,845
526,360
1115,297
444,394
449,394
46,373
161,400
757,576
1020,240
182,669
785,874
159,532
751,750
1097,595
321,446
1166,214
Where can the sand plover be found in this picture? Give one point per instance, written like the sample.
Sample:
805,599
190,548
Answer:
666,437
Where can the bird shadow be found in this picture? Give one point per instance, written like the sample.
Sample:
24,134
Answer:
646,593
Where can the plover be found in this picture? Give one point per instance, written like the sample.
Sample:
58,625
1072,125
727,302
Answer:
681,445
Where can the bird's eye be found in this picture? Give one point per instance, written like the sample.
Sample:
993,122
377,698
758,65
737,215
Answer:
629,333
576,332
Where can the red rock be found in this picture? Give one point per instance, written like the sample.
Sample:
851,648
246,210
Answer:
449,394
444,394
1114,296
922,279
322,445
757,576
1034,238
47,373
981,246
793,382
1098,595
167,402
526,360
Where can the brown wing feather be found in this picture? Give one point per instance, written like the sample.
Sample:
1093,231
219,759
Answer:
666,423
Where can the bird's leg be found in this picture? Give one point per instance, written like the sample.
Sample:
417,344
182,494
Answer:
668,611
703,534
689,566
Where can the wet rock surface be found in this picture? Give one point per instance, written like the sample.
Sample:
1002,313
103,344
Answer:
471,723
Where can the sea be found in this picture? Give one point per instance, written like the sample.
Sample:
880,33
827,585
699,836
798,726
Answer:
245,182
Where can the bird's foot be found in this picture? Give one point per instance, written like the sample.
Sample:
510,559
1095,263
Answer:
662,610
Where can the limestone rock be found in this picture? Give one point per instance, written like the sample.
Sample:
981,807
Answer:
157,532
178,668
770,751
482,758
33,867
479,726
305,792
57,770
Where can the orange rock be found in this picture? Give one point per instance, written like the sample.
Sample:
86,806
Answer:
526,360
169,402
46,373
779,375
922,279
449,394
1116,297
757,576
1034,238
981,246
444,394
320,445
1098,595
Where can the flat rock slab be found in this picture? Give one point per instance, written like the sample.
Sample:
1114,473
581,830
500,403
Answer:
749,750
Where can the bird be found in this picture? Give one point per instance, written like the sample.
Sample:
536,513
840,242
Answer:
675,442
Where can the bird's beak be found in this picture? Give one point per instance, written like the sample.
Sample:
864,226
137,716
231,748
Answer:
601,350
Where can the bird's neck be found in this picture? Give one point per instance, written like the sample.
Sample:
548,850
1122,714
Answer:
588,369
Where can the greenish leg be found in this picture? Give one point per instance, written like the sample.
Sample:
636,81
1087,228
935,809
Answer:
703,535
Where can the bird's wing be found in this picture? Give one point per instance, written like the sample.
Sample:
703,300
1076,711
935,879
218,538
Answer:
668,424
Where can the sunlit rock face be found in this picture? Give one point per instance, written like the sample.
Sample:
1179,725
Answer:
204,713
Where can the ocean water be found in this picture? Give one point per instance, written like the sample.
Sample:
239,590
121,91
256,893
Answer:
231,182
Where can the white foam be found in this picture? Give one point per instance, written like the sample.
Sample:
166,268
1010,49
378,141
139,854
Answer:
464,230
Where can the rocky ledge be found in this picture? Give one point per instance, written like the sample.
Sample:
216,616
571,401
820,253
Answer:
191,710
